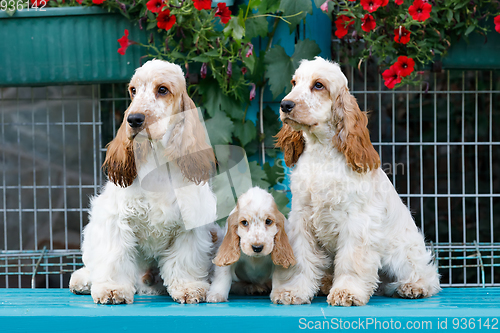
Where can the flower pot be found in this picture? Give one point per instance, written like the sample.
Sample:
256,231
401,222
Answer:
66,45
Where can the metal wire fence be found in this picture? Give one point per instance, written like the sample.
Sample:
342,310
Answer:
438,144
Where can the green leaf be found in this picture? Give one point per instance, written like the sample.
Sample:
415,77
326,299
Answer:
212,95
269,6
279,69
281,201
292,7
151,25
245,132
255,27
201,58
259,177
305,49
449,15
250,62
235,27
276,173
220,129
231,106
469,30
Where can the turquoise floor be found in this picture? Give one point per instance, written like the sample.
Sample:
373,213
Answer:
452,310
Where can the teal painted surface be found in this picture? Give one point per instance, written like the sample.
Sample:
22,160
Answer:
60,311
66,45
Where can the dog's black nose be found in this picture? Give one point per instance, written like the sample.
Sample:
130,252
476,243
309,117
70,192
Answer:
257,248
287,106
135,120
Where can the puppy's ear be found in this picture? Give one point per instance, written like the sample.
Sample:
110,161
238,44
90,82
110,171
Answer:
229,250
352,137
291,142
188,145
119,162
282,254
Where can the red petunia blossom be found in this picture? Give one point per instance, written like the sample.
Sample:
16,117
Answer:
497,23
97,2
399,2
202,4
371,5
404,66
368,23
384,3
420,10
38,3
155,6
244,70
402,35
223,12
342,23
165,21
79,1
391,77
125,43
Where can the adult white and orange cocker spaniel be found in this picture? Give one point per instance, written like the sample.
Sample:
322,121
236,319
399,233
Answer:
257,228
137,239
346,216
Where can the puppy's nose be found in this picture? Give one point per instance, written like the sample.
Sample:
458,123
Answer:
287,106
135,120
257,248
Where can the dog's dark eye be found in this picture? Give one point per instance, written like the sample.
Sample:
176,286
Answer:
162,90
318,86
132,91
293,83
269,221
244,222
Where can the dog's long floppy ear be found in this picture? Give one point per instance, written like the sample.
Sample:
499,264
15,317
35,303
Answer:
352,137
188,145
291,142
229,250
282,251
119,162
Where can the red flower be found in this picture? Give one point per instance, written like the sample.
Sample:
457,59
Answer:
404,66
324,6
371,5
155,6
497,23
203,70
203,4
252,91
402,35
342,23
223,12
368,23
399,2
125,43
38,3
97,2
385,3
79,1
165,21
420,10
391,77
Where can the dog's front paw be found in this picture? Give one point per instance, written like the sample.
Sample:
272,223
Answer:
112,294
216,298
343,297
411,290
189,293
286,296
80,282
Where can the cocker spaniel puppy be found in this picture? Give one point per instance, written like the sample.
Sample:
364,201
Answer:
257,228
137,239
346,216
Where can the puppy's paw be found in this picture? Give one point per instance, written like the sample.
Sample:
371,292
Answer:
343,297
216,298
112,294
189,293
289,297
80,282
411,290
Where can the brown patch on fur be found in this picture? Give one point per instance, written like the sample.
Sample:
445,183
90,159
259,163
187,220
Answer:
119,162
148,278
188,145
229,251
282,253
215,238
353,138
291,142
326,284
